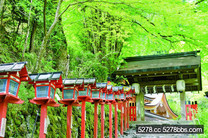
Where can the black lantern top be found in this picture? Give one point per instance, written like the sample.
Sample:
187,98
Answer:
115,89
12,67
121,89
90,82
45,76
18,69
101,85
54,77
109,89
79,82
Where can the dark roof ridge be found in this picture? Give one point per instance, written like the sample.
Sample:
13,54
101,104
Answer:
163,56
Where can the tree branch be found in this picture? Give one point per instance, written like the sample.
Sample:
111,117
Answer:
198,2
70,6
44,16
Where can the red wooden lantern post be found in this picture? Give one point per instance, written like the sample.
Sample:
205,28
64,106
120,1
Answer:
121,103
127,90
103,89
129,94
86,96
45,85
97,97
70,92
116,93
11,75
110,100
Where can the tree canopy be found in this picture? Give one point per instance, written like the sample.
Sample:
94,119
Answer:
90,38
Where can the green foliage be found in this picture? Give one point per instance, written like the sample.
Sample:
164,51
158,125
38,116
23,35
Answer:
96,35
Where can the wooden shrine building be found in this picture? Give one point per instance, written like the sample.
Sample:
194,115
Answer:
178,72
157,104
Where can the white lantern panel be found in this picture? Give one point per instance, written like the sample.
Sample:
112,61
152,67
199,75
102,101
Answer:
121,96
13,87
110,97
3,83
52,92
42,91
83,93
103,96
95,94
68,94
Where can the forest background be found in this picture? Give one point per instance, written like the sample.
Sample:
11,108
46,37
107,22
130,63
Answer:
90,39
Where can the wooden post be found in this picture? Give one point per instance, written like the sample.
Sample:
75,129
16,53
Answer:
121,123
69,116
142,110
124,105
127,114
43,125
95,119
110,120
116,121
3,112
183,109
102,119
83,120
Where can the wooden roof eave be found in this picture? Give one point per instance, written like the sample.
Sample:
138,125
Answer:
154,70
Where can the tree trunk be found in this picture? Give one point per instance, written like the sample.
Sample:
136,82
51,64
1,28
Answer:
32,36
44,17
2,10
46,37
28,32
67,66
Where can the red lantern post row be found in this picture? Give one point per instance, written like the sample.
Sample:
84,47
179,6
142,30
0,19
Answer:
74,91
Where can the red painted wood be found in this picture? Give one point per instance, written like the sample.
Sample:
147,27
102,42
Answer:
195,109
43,116
124,105
116,121
7,87
121,123
95,119
3,112
188,113
127,114
18,88
102,120
132,112
110,120
69,116
83,120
